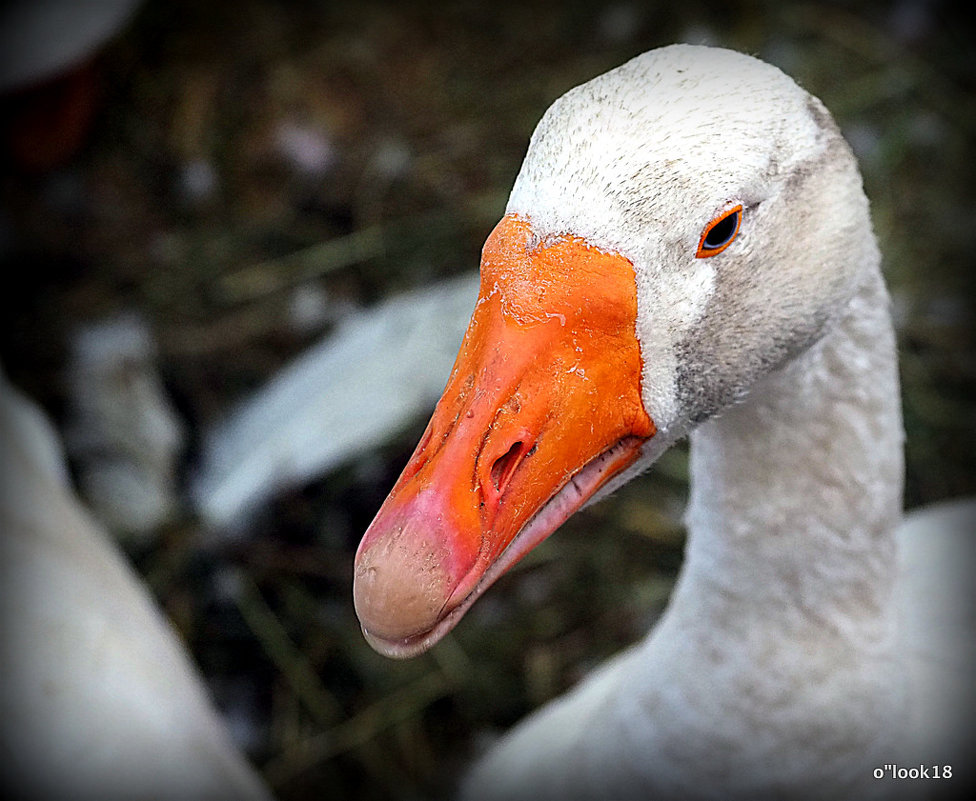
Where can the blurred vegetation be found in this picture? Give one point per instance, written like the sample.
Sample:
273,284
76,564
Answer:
247,150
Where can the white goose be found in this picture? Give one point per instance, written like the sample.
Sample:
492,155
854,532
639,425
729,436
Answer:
98,697
688,250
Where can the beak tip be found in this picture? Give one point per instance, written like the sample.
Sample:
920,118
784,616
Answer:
391,602
403,576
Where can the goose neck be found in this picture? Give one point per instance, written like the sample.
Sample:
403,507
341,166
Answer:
796,492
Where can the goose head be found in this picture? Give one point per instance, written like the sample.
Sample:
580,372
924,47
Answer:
681,226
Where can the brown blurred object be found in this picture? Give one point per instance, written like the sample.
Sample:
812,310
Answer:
46,124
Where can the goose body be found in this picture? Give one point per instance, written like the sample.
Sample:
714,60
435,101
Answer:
687,251
99,699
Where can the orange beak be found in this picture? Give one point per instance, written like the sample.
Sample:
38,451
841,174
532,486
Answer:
542,408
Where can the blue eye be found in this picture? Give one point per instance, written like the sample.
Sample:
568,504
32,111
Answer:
719,233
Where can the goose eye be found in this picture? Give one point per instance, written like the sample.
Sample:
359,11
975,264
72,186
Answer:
719,233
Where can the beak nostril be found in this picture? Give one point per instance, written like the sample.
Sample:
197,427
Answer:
504,466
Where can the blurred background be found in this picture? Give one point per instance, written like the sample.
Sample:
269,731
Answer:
219,187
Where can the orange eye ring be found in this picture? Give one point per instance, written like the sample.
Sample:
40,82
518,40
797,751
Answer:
720,233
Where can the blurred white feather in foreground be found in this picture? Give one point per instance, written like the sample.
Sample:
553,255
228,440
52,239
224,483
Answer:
380,369
99,699
38,40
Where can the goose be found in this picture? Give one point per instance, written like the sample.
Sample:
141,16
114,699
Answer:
687,251
99,698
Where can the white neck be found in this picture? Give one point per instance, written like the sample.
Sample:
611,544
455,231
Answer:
796,492
784,604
